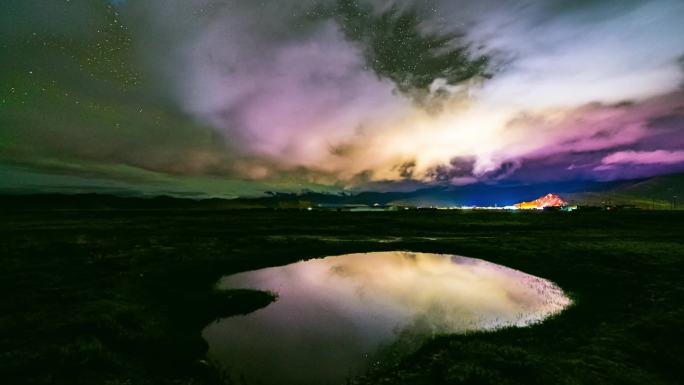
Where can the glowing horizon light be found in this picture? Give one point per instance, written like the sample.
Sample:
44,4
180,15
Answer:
548,200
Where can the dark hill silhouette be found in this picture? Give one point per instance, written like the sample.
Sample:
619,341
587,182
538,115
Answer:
655,192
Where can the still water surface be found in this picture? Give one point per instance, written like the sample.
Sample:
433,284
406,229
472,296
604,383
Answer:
333,315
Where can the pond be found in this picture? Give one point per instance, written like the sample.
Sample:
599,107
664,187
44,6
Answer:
336,316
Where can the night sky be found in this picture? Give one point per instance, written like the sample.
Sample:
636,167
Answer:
230,98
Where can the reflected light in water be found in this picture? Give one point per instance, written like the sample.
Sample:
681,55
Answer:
334,313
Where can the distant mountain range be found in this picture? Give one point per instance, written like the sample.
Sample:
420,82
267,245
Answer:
658,192
662,192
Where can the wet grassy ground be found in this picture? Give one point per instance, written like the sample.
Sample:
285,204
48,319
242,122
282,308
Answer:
120,297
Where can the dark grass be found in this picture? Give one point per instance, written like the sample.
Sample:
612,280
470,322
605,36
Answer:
120,297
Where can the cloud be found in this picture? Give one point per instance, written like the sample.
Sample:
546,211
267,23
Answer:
308,86
644,157
347,92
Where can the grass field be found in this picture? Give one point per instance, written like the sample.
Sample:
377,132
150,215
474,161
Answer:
120,297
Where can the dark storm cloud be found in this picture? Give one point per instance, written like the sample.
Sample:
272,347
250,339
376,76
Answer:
406,169
460,170
395,46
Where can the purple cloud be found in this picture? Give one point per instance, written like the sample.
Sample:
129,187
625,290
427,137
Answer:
644,157
292,94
